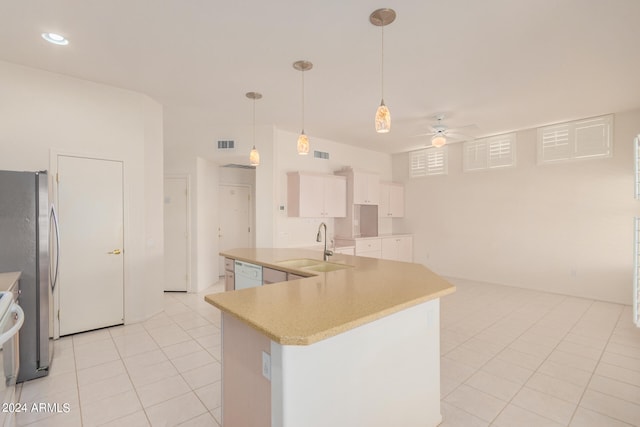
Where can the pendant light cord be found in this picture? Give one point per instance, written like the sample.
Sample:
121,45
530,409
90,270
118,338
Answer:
382,66
302,100
254,122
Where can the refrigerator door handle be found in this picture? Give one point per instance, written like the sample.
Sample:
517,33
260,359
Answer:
53,217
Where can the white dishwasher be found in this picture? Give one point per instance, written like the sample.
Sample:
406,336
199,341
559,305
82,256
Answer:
247,275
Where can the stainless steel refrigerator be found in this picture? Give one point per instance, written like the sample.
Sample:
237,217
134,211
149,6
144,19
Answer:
24,246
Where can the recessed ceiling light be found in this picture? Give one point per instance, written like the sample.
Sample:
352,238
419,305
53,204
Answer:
55,39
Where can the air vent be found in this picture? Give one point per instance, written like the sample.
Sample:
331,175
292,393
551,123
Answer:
320,155
237,166
227,144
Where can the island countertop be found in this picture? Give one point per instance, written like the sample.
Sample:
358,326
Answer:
304,311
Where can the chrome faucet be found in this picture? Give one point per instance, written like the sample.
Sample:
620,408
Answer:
326,254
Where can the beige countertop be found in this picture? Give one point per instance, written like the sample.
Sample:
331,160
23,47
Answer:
304,311
8,279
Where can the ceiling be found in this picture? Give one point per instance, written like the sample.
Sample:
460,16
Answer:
502,65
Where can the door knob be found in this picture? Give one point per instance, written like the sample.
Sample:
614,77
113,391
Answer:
114,252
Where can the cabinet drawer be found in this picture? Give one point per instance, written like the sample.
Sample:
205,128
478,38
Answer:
228,264
269,275
363,245
292,276
229,281
347,250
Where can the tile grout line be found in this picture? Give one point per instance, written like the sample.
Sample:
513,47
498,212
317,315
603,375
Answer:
480,367
191,390
544,360
593,373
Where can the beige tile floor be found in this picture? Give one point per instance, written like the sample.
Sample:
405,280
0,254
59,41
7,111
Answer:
510,357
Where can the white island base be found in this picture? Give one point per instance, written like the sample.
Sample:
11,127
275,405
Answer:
384,373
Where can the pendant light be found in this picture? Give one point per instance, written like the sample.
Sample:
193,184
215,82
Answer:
303,140
381,18
254,156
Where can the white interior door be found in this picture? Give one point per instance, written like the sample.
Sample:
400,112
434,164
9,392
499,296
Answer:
235,219
90,208
176,234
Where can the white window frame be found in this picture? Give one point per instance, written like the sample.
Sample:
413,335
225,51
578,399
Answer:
636,157
636,273
428,162
490,152
570,142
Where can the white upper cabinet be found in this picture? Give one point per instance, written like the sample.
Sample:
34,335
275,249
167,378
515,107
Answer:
363,187
312,195
391,200
366,188
335,196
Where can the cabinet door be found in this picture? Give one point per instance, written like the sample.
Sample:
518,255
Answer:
373,189
311,196
229,281
396,200
360,188
405,249
384,210
390,247
335,196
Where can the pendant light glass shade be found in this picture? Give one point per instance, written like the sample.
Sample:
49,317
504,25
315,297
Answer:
438,140
383,119
303,144
381,18
303,140
254,156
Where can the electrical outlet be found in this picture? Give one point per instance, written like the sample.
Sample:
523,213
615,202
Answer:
266,365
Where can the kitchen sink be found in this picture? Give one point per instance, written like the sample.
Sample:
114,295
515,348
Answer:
299,263
325,267
309,264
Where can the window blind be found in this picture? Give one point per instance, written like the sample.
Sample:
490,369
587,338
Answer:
490,153
428,162
580,139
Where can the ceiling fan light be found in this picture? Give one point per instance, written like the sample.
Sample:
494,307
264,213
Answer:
303,144
383,119
254,157
438,140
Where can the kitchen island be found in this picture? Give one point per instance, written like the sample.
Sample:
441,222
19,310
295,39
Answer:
356,343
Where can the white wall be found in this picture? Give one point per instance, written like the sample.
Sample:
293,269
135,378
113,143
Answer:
207,235
565,228
295,232
42,111
191,133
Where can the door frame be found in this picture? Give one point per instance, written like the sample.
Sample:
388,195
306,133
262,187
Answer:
53,198
189,231
252,207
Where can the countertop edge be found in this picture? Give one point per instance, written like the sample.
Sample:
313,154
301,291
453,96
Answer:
337,330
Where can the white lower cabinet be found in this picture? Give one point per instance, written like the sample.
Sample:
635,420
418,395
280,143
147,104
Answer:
397,248
346,250
229,275
393,247
369,247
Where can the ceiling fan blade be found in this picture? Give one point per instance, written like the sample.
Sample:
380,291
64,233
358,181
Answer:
459,136
468,127
423,134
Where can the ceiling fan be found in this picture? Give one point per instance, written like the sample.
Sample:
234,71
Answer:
441,134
